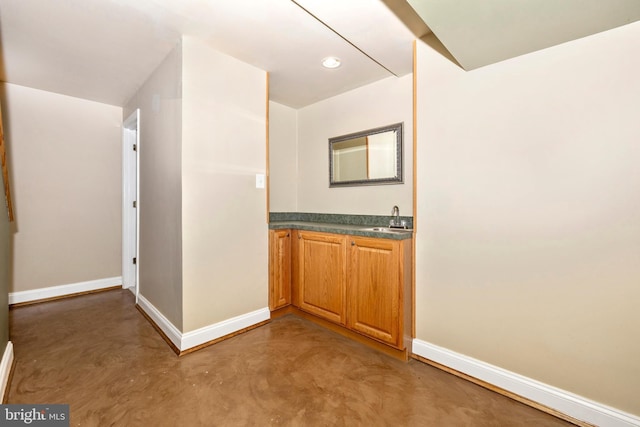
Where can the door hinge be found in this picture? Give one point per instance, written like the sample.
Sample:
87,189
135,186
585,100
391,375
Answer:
135,260
135,147
135,204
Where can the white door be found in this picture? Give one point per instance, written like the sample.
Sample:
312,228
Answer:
130,216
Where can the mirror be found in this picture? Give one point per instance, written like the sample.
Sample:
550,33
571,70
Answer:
369,157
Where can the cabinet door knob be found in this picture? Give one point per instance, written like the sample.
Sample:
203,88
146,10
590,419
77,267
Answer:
287,234
353,243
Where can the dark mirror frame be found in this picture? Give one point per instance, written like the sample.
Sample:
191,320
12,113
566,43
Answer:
397,179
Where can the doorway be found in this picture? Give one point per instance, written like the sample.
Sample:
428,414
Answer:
130,203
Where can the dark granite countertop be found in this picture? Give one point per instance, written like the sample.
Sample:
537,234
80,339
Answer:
355,225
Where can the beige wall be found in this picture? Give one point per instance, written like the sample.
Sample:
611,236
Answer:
65,160
224,218
160,198
283,158
528,200
378,104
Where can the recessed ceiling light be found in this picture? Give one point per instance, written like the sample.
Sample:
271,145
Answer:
331,62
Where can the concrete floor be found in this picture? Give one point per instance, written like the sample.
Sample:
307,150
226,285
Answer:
98,354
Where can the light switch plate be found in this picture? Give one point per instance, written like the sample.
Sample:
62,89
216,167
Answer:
259,180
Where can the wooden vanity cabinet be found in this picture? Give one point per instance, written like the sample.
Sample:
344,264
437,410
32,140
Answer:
362,284
322,275
279,268
377,284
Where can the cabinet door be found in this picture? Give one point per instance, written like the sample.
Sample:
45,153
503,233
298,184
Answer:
322,274
375,289
279,268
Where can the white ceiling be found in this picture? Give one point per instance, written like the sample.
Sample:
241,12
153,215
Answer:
104,50
479,33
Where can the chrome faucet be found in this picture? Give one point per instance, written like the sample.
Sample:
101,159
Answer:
395,221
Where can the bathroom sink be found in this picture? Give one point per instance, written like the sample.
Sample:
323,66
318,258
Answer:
388,230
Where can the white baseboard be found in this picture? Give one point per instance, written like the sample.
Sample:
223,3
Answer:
226,327
560,400
203,335
62,290
162,322
5,369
